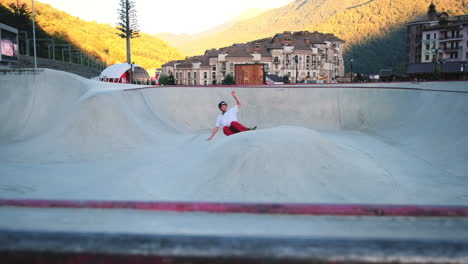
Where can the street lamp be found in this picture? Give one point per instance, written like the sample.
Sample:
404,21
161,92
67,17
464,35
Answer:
436,61
297,59
34,35
464,70
131,72
351,61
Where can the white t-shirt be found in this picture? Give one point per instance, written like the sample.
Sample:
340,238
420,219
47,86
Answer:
228,117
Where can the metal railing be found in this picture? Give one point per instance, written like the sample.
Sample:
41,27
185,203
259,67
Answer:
458,36
74,55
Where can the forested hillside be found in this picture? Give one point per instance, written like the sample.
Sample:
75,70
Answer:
95,39
374,31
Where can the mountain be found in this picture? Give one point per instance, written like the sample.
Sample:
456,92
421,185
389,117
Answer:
94,39
182,41
374,30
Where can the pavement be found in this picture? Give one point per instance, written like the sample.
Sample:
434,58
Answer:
64,137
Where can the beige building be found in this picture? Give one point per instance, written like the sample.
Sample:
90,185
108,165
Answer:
438,44
449,43
300,55
416,42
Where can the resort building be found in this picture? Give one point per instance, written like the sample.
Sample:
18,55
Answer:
301,56
438,44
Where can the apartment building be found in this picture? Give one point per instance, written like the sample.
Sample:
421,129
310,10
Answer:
438,43
415,32
301,55
449,43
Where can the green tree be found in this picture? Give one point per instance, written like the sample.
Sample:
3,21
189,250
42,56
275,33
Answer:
167,79
22,16
163,79
229,80
171,80
286,79
128,25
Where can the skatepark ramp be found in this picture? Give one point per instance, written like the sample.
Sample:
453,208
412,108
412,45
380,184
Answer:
360,143
68,139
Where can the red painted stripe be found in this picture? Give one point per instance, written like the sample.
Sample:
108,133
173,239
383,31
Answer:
303,87
286,209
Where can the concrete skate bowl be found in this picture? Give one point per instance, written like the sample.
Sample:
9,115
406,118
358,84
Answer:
64,137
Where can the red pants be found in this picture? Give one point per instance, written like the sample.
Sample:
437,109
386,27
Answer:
235,127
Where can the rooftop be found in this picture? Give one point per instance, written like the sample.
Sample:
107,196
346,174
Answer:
301,40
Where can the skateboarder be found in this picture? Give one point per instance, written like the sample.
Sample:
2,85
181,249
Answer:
228,119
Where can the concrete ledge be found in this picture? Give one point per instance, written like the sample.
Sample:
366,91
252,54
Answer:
55,247
253,208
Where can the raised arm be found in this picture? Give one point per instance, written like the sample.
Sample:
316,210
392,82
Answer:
233,93
215,130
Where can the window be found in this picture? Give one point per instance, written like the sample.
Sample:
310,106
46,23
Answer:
205,75
214,68
427,57
205,82
189,75
307,59
428,36
435,35
428,46
195,75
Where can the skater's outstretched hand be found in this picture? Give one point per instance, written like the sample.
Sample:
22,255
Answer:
233,93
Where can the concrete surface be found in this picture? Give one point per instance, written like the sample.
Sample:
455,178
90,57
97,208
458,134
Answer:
218,236
232,225
65,137
68,138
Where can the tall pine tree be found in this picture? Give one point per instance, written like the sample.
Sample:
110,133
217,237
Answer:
128,25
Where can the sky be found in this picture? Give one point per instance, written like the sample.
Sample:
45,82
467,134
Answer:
174,16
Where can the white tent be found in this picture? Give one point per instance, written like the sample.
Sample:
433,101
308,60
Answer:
121,73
